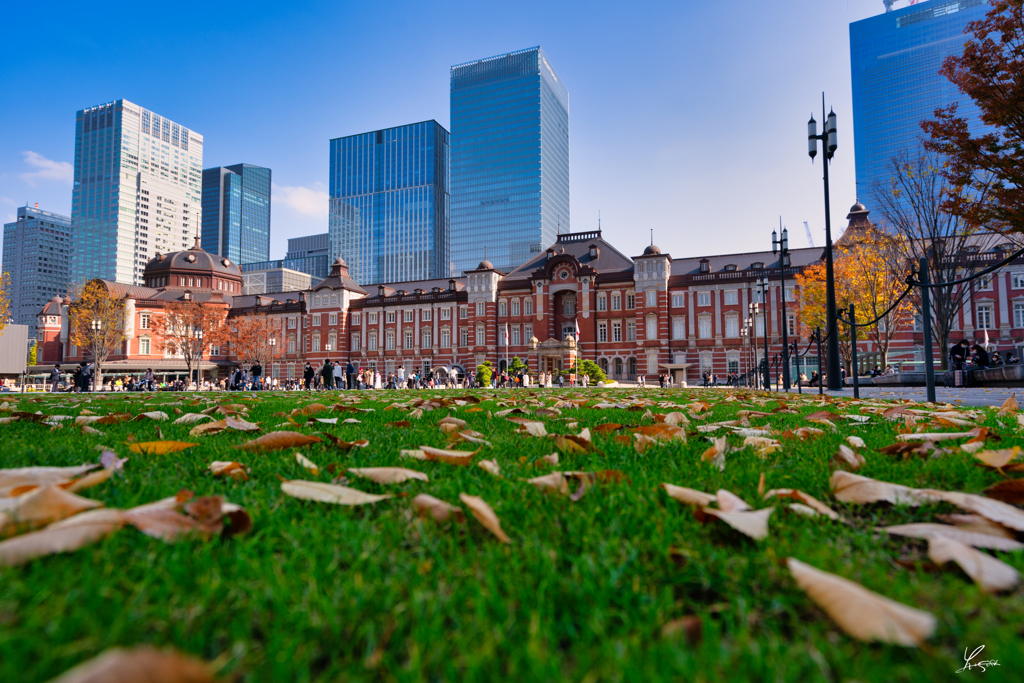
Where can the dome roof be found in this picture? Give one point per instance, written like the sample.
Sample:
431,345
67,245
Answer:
193,259
652,251
485,265
339,262
858,207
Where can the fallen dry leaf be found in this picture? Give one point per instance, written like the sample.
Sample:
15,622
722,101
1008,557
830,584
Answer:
856,442
690,626
426,505
60,537
159,447
229,468
994,510
1009,491
490,466
688,496
991,574
347,445
805,498
1009,407
190,418
854,488
156,415
485,515
387,475
862,613
447,456
329,493
27,478
41,506
753,523
998,459
275,441
716,454
973,538
762,445
551,482
308,464
138,665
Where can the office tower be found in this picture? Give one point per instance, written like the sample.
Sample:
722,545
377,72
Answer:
389,203
895,59
274,280
510,159
37,257
307,254
236,212
137,190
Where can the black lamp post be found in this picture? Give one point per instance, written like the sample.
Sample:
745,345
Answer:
762,284
780,246
829,141
744,332
753,310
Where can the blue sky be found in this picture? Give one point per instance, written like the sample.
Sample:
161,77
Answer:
685,117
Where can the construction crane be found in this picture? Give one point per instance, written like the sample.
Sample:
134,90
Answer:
889,3
810,240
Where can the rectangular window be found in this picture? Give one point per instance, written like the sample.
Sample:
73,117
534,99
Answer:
1018,315
480,309
446,338
355,342
616,301
679,328
391,317
985,283
678,300
602,332
704,325
463,312
291,323
144,321
528,306
616,332
602,302
408,339
372,318
332,319
408,316
790,293
357,319
371,341
652,328
527,332
631,330
515,335
652,297
427,315
515,306
791,324
732,326
426,339
1017,281
568,306
630,301
316,320
480,339
759,326
502,309
446,314
731,297
463,337
389,341
703,298
984,317
144,346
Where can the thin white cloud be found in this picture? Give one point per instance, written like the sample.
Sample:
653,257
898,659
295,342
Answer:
47,169
307,201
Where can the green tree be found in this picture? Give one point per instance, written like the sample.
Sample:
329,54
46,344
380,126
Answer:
517,365
588,368
33,353
483,373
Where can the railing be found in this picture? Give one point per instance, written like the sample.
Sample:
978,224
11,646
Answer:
748,274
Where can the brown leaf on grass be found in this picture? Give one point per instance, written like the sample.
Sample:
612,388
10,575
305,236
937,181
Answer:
89,480
453,421
662,431
448,456
156,415
991,574
760,485
641,443
716,453
977,523
802,433
691,627
60,537
571,444
856,442
549,460
823,415
191,418
276,441
753,523
973,538
329,493
139,665
848,458
1009,491
551,482
485,515
489,466
730,502
159,447
980,433
1009,407
27,478
994,510
533,429
908,449
42,506
346,445
229,468
805,498
762,445
607,427
862,613
440,511
998,459
674,418
313,468
387,475
853,488
401,424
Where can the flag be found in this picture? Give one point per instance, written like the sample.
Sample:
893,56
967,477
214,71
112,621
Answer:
577,329
506,334
986,339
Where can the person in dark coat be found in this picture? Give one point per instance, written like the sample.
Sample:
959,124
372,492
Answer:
980,356
350,372
327,372
308,375
55,378
237,381
257,376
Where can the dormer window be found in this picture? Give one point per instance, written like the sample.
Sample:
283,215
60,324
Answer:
451,285
705,266
757,265
593,251
731,266
187,296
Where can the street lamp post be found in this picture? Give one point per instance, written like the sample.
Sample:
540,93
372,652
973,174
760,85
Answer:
273,346
199,366
780,246
829,141
762,284
744,332
753,310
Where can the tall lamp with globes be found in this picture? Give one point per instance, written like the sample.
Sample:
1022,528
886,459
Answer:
780,247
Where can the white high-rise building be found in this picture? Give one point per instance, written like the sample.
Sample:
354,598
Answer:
138,190
37,254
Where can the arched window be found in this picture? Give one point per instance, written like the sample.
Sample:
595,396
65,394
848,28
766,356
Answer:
632,367
618,367
603,364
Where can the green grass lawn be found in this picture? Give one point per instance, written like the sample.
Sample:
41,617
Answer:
321,592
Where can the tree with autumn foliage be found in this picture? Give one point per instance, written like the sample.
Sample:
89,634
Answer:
97,323
5,300
189,328
863,277
250,338
986,171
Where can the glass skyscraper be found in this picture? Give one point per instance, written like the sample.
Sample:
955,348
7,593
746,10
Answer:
389,203
138,179
236,212
510,159
37,256
895,59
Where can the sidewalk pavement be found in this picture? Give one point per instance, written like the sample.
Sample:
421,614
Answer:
974,396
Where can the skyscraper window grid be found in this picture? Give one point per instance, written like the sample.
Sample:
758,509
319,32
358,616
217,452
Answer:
510,158
236,212
389,203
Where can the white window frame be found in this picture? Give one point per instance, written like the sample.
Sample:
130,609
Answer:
731,297
703,298
704,330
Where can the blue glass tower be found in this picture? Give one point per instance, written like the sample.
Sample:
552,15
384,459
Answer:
510,159
236,212
389,203
895,59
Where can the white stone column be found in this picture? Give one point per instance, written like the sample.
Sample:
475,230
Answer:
1005,322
